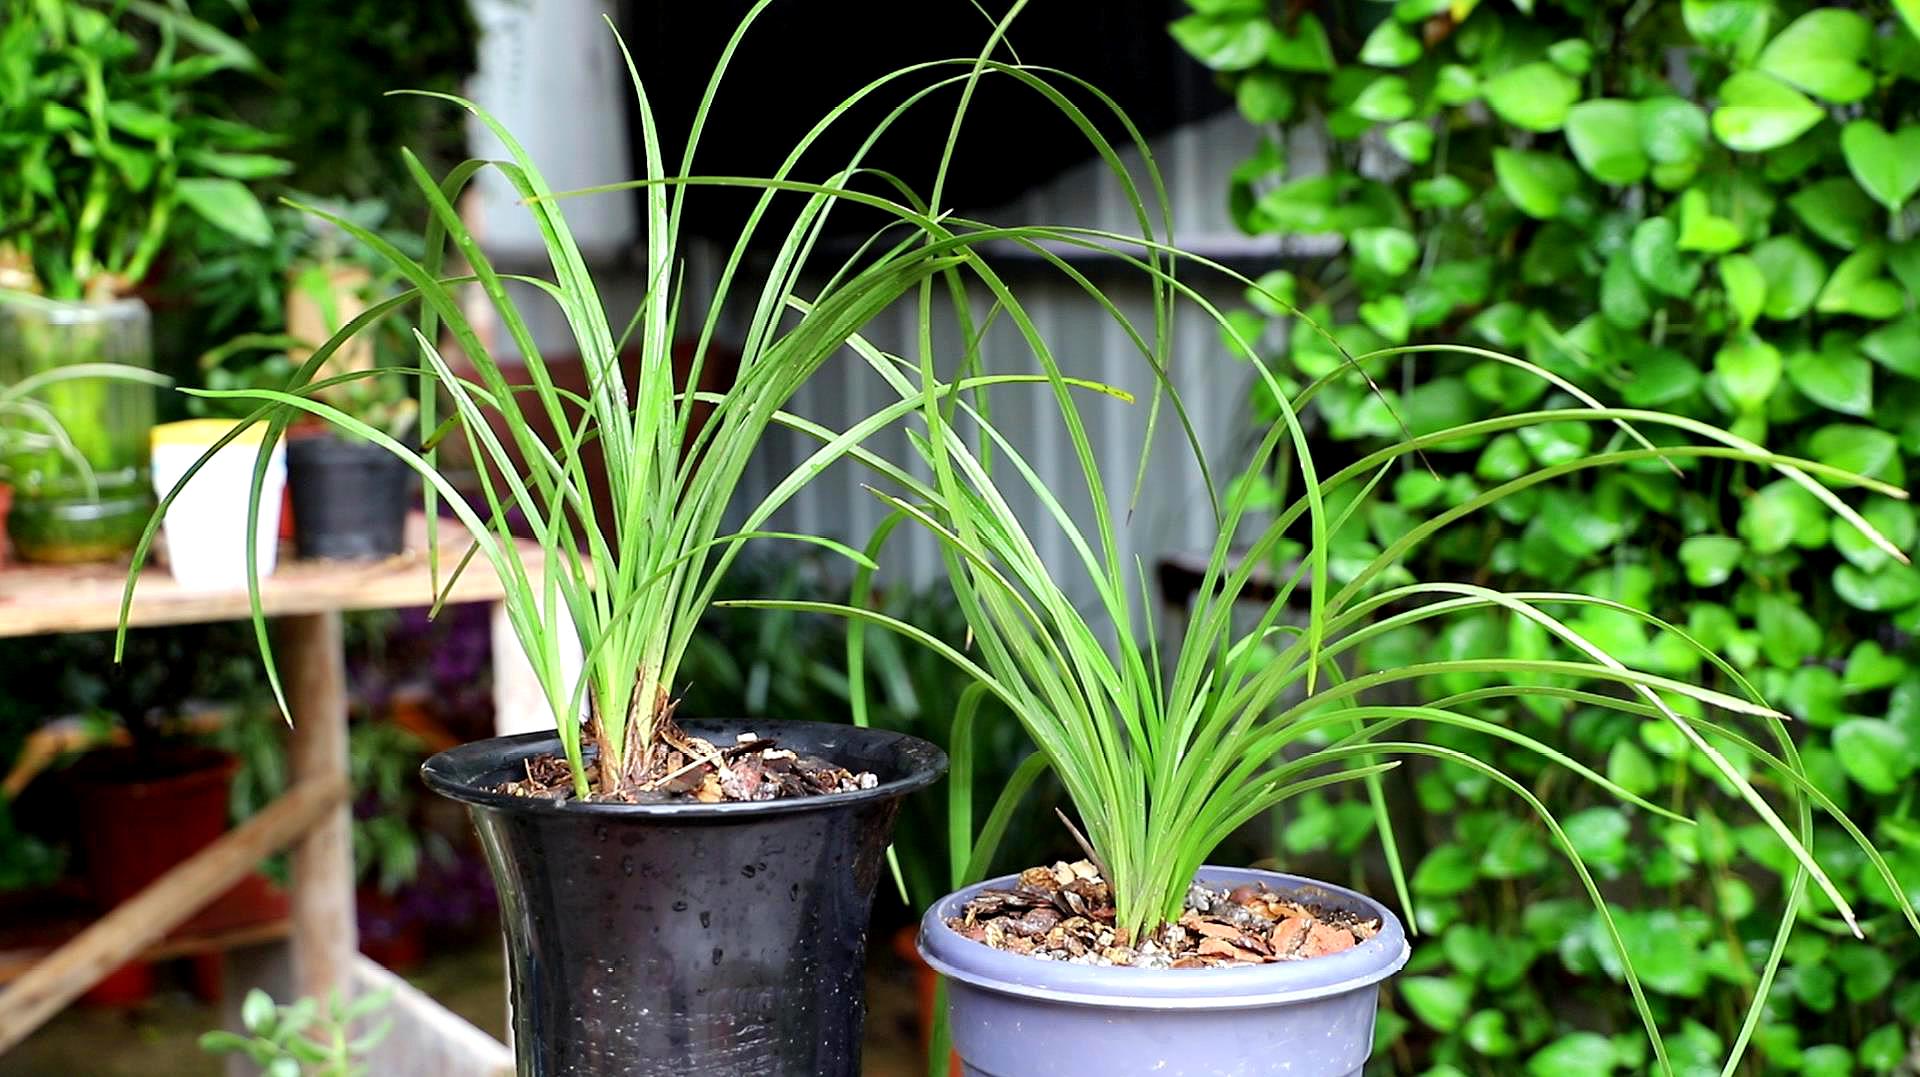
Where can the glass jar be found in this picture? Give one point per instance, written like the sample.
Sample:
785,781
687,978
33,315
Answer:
63,511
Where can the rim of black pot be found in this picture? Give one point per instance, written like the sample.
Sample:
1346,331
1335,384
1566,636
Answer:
458,772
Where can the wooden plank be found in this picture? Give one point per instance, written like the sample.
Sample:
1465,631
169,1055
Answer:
325,934
427,1038
15,963
141,920
36,599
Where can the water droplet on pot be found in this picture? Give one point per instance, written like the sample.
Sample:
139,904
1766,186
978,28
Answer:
626,866
600,832
748,870
795,892
706,917
716,955
680,906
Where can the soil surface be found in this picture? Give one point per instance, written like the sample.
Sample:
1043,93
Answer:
1066,913
686,769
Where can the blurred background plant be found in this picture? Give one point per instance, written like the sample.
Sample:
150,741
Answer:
269,305
305,1037
1701,207
114,142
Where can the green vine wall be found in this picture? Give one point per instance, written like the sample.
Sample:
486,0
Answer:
1700,206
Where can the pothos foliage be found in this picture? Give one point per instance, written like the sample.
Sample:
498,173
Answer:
1698,207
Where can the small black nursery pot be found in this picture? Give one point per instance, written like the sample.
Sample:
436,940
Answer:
683,938
350,498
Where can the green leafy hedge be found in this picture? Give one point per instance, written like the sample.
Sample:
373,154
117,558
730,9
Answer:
1697,206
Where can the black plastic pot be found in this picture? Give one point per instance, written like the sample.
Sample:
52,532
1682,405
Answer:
350,498
689,939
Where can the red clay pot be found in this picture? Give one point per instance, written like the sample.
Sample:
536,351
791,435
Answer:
124,988
142,813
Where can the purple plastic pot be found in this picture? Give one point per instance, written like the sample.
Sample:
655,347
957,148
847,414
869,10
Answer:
1014,1016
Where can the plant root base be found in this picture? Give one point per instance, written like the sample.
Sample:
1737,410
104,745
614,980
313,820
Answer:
680,769
1066,913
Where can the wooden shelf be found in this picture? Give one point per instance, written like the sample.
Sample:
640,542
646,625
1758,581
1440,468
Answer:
37,599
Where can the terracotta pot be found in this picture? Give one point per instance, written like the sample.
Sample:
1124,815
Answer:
124,988
142,813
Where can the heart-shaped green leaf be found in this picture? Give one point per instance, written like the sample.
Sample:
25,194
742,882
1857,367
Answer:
1306,49
1746,287
1893,519
1605,138
1264,97
1455,84
1864,450
1738,27
1793,274
1578,1054
1656,255
1387,316
1836,379
1388,251
1673,130
1225,43
1574,55
1412,140
1748,368
1835,209
1701,230
1623,300
1875,753
1537,183
1896,347
1759,112
1390,45
1781,514
1892,586
1870,668
1887,165
1710,559
1533,96
1384,100
1820,52
1857,287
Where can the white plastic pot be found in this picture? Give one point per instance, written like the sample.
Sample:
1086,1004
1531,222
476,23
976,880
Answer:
206,526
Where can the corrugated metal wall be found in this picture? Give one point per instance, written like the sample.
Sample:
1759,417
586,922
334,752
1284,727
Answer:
1172,512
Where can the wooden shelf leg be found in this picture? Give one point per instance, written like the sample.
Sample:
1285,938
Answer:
519,703
325,935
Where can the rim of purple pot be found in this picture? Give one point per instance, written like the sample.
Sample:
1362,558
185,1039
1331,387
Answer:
960,958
